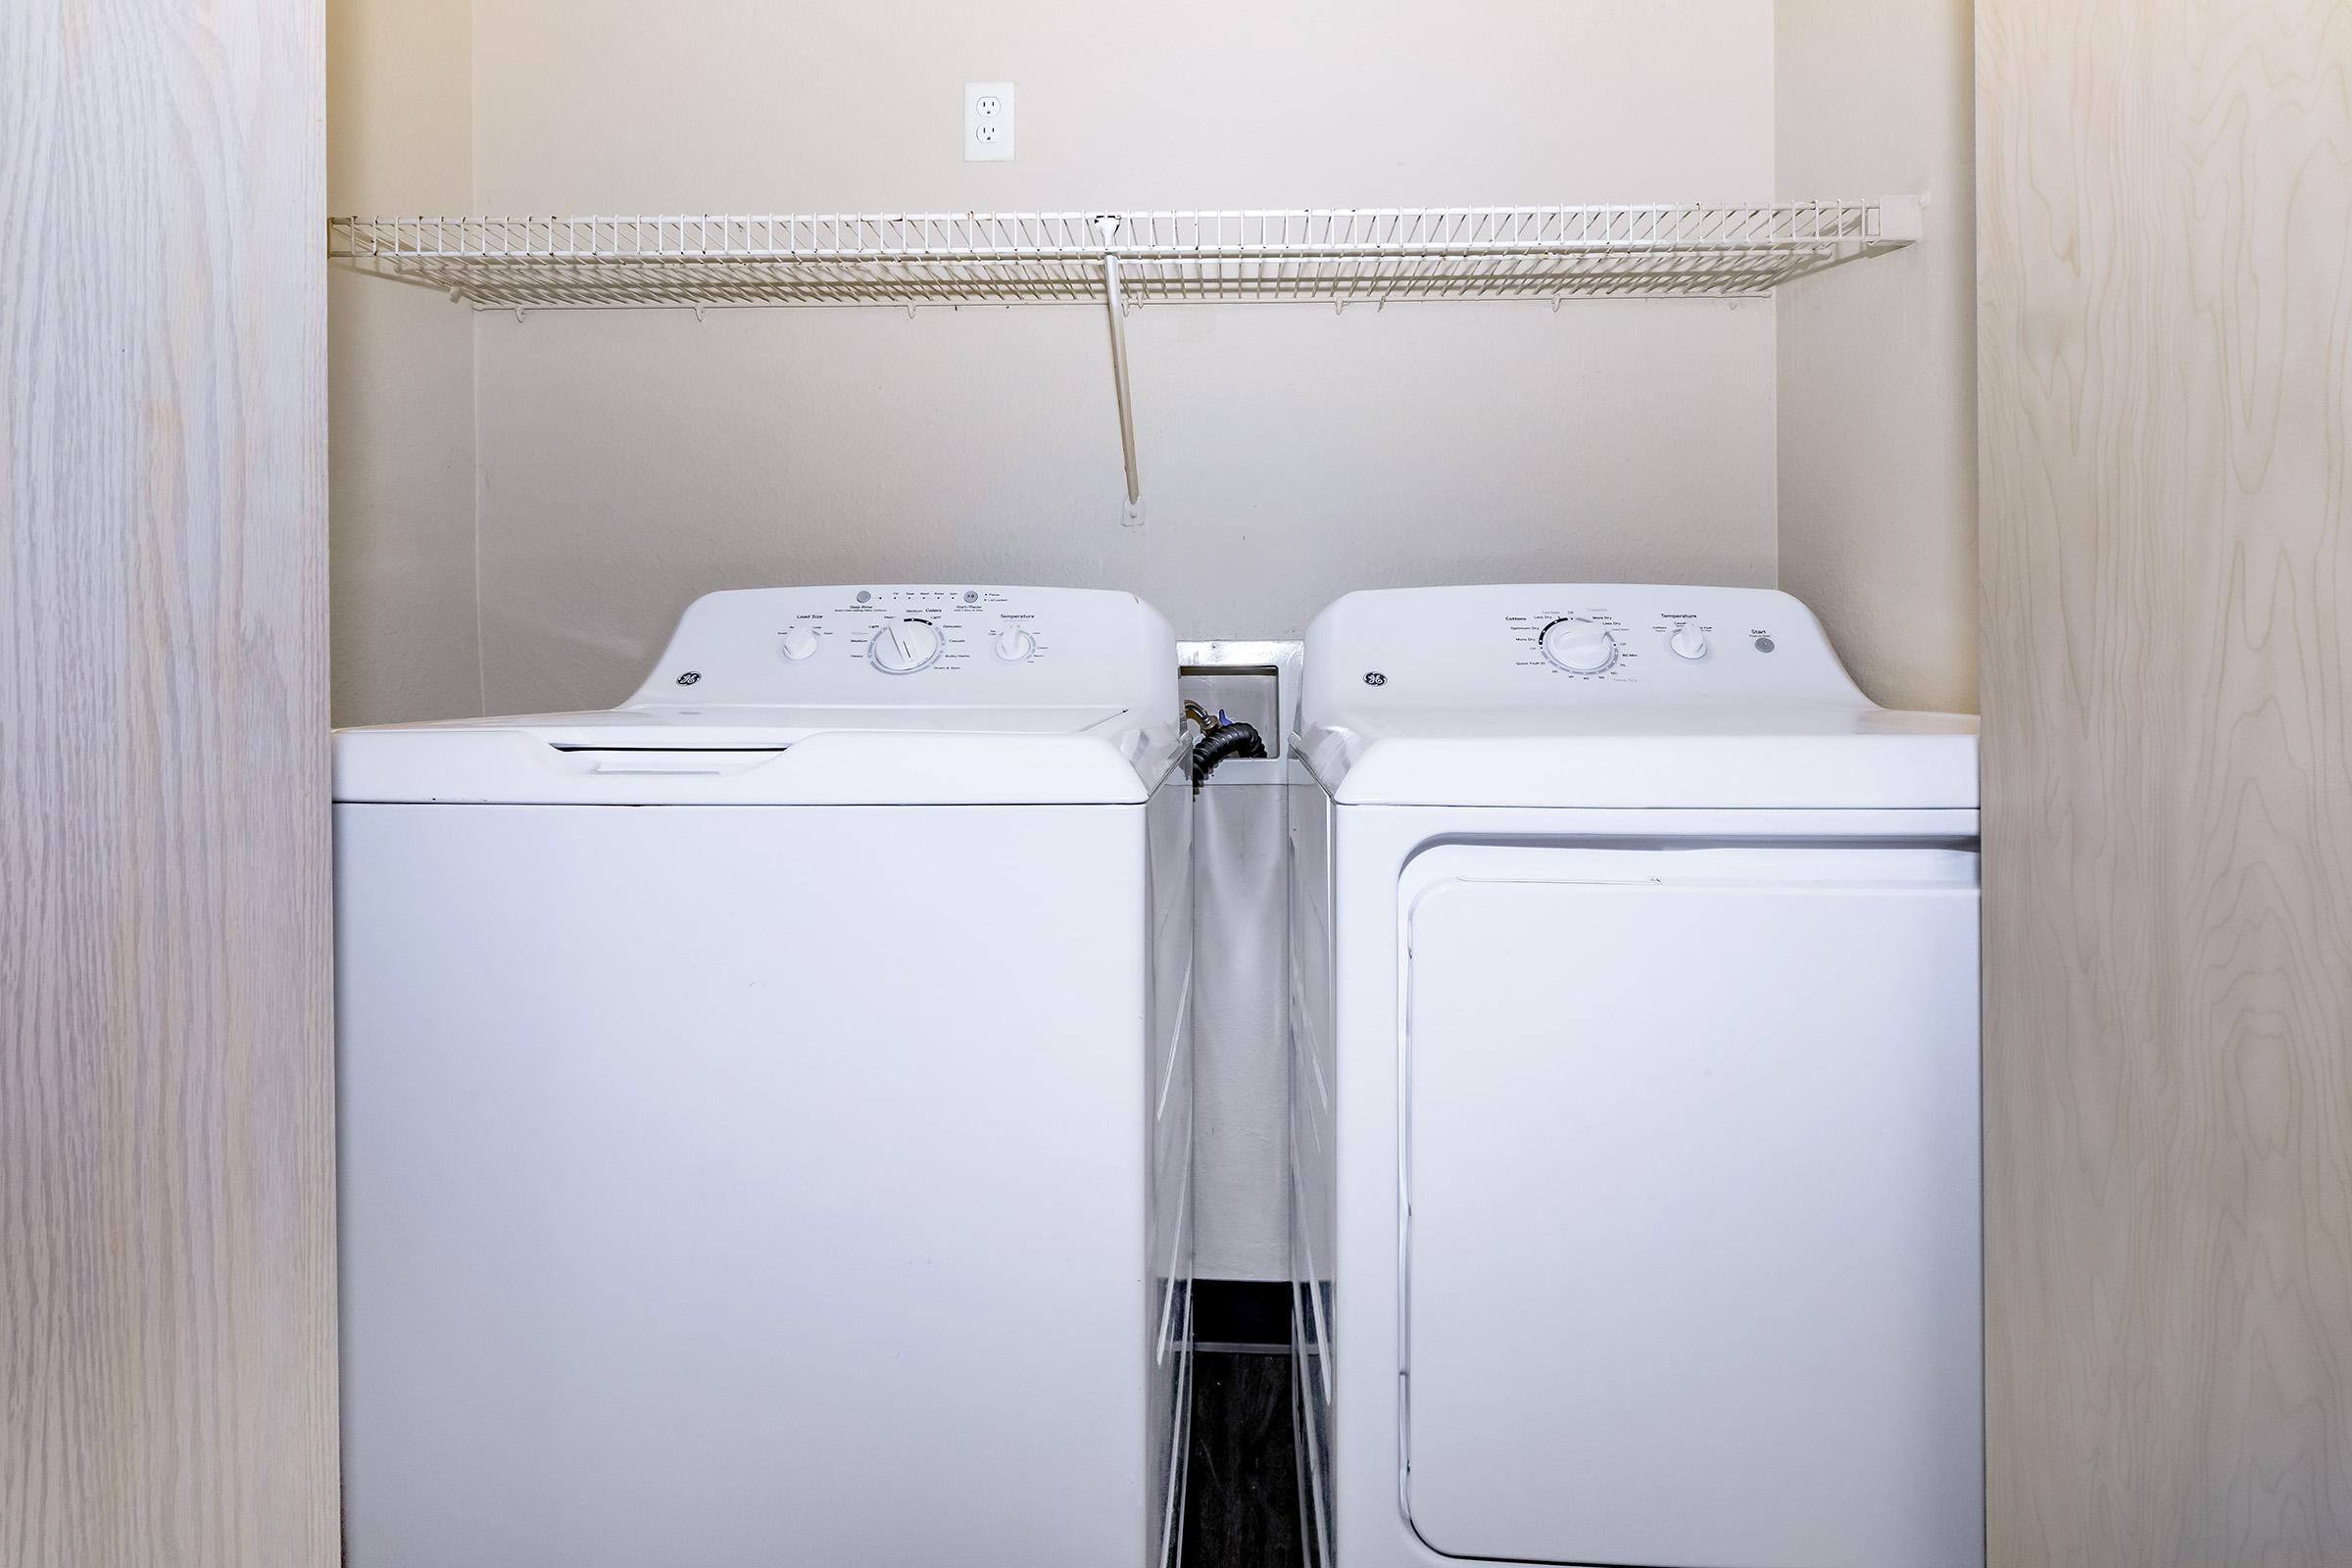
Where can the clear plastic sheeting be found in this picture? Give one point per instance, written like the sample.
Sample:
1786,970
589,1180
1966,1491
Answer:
1241,1035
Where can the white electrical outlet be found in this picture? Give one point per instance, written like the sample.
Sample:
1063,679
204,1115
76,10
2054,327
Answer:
987,121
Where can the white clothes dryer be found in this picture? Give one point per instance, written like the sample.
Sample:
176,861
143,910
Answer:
1635,1090
765,1106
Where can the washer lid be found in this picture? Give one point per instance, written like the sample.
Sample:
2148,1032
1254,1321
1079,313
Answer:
764,755
1608,696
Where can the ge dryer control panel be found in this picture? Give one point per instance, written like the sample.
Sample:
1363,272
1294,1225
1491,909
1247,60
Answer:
932,644
1545,644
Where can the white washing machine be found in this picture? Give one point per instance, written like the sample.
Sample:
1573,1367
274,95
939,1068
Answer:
765,1106
1635,1089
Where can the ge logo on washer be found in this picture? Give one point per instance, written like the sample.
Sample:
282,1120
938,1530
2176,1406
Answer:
690,678
1373,677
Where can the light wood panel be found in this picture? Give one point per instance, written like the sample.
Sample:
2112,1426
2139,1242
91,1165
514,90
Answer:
2164,220
167,1269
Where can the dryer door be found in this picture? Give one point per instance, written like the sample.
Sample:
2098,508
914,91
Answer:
1690,1226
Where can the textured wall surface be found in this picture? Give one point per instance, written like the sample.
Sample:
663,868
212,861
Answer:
620,468
1877,383
166,1190
2166,373
400,361
627,463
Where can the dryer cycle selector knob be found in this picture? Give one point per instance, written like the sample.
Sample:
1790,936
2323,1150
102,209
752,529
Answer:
1688,642
799,643
1579,647
1014,644
902,647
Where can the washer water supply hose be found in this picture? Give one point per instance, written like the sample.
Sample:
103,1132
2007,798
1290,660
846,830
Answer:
1220,737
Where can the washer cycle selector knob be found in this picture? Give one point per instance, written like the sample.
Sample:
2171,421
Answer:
799,643
1688,642
1578,645
1014,644
902,647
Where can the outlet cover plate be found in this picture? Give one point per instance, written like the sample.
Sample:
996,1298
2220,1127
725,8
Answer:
987,121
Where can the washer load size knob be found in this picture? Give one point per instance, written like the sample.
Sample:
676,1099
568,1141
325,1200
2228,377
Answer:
902,647
1579,645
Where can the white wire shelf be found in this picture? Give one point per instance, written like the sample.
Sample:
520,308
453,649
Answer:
1370,255
1120,261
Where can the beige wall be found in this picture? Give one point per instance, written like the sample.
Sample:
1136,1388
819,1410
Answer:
400,394
575,479
1876,394
630,462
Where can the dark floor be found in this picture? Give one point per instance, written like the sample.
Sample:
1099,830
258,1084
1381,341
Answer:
1241,1504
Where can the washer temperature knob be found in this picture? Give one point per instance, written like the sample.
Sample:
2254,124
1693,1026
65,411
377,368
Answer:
1579,647
902,647
1015,643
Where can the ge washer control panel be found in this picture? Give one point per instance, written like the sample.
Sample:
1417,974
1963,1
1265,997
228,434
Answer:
903,631
929,644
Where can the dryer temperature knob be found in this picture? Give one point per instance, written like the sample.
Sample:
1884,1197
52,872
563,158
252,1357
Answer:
1688,642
